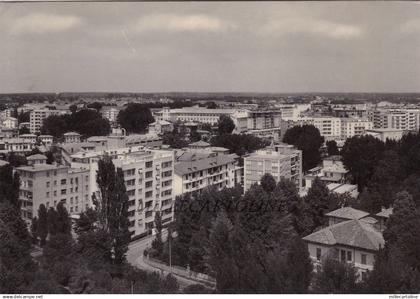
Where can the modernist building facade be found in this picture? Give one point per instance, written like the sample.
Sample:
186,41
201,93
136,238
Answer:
200,170
281,161
148,176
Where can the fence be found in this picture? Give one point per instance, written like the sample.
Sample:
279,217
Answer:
180,271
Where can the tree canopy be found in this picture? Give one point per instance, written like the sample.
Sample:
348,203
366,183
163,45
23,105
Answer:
307,139
135,118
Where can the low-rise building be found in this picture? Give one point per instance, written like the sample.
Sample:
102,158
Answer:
384,134
71,137
10,123
353,241
160,127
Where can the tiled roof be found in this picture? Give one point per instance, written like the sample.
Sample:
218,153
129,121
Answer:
348,213
385,213
182,168
36,157
352,233
200,143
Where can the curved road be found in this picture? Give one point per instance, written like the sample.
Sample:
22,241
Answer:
135,258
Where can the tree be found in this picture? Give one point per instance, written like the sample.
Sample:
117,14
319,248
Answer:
225,125
384,183
86,221
135,118
52,218
360,155
42,223
332,148
112,207
9,186
34,230
73,108
174,140
24,130
157,243
397,266
23,117
95,105
335,277
318,199
16,160
239,144
307,139
268,183
63,220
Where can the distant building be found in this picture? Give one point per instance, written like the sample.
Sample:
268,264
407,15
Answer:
10,123
110,113
383,217
384,134
71,137
401,119
354,127
192,114
37,117
160,127
281,161
16,145
46,139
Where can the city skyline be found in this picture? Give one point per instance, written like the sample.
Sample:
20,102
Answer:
210,47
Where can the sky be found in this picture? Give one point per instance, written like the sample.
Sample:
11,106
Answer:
210,47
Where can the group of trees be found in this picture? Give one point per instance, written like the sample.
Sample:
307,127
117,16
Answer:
87,122
251,243
94,262
307,139
382,169
135,117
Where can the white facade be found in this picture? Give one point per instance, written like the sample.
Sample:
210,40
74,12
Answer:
401,119
10,123
280,162
37,117
110,113
212,170
192,114
354,127
329,127
148,177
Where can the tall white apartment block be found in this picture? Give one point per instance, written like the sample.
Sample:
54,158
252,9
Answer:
200,171
50,184
401,119
281,161
148,176
329,127
354,127
37,117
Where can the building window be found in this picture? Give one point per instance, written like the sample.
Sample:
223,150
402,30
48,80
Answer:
148,194
349,256
149,174
363,258
149,164
343,256
63,191
148,184
63,181
318,254
48,184
48,194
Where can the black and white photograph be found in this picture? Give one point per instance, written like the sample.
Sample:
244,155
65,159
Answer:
209,148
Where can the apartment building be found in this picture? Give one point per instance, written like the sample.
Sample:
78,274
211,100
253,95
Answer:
281,161
329,127
196,170
110,113
10,123
37,117
46,184
192,114
402,119
354,127
16,145
263,119
148,176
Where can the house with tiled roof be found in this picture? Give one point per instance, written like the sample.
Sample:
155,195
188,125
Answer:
383,217
352,241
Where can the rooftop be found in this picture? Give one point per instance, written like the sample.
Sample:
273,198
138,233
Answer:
385,213
348,213
185,167
41,167
36,157
71,134
352,233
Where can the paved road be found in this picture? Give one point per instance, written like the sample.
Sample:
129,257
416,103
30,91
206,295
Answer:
135,258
